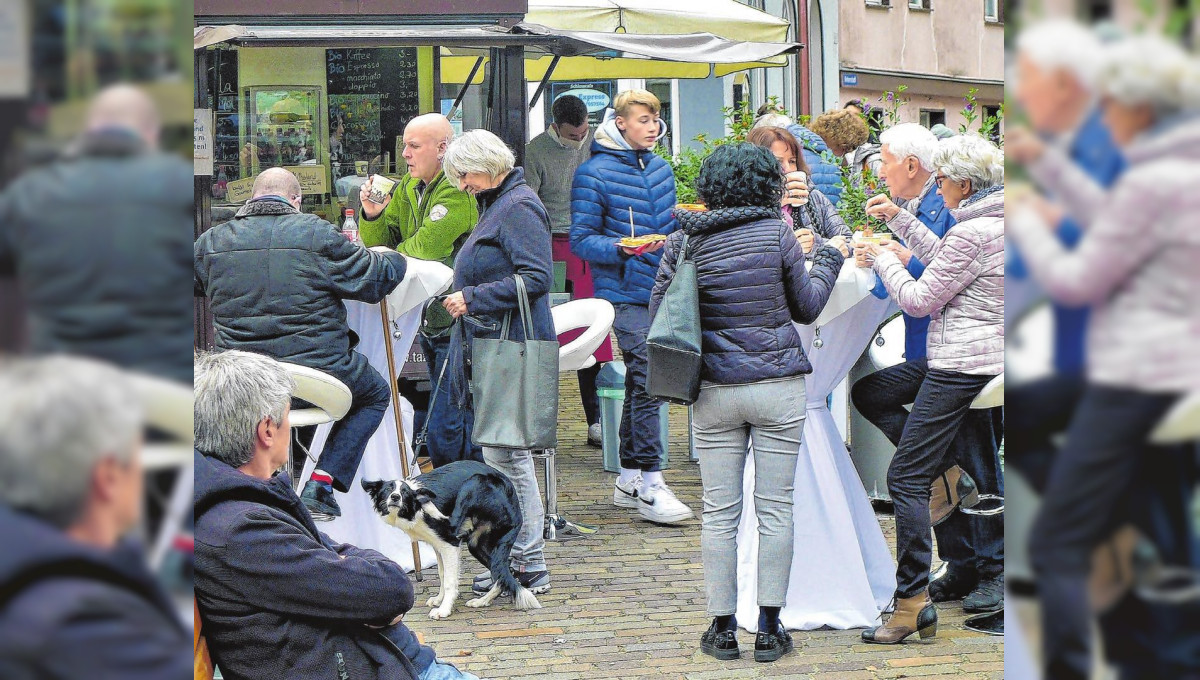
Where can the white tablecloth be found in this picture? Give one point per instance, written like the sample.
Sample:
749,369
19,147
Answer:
842,570
359,524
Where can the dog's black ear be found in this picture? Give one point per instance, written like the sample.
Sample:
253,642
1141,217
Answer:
379,488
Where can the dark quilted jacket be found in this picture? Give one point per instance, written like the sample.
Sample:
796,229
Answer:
277,279
753,285
826,176
605,188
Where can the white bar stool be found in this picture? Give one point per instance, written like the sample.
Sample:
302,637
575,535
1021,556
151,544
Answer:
168,408
991,396
330,399
596,317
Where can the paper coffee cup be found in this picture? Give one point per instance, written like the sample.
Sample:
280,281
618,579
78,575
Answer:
381,188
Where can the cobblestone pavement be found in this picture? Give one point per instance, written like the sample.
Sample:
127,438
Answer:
629,602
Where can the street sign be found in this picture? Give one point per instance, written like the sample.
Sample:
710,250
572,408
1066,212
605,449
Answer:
849,80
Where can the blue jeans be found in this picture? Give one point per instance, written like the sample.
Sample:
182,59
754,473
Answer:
449,426
971,544
439,670
641,448
349,436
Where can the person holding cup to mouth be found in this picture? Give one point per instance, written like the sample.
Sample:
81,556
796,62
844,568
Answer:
811,215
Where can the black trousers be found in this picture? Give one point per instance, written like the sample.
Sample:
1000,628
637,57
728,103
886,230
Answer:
1036,412
940,431
1105,460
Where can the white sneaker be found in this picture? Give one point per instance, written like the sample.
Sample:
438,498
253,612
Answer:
659,504
626,495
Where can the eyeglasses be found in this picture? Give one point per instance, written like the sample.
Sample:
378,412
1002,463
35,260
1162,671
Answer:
937,180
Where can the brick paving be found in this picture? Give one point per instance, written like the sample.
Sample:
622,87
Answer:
629,602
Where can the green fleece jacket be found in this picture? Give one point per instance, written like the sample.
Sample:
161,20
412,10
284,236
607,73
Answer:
422,224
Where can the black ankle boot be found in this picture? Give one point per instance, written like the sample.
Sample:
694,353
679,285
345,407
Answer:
720,644
771,646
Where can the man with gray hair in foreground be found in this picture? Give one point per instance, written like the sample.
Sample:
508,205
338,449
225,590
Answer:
76,600
278,598
277,279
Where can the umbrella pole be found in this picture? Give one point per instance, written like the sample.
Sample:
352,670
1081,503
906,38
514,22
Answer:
391,364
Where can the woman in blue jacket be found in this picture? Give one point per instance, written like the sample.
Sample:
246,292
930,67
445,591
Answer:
512,237
753,284
624,187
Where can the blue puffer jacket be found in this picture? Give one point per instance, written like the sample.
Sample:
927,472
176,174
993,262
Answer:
826,177
753,285
614,180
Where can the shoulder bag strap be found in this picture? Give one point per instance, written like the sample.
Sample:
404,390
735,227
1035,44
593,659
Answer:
523,307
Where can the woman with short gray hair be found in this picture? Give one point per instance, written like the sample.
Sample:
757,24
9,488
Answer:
962,291
511,238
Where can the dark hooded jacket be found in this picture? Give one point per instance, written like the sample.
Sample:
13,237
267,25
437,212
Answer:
70,611
753,285
277,279
279,599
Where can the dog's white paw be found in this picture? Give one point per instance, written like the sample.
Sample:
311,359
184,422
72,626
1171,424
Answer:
477,602
439,613
434,601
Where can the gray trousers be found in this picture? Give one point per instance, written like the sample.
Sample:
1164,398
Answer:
528,553
726,419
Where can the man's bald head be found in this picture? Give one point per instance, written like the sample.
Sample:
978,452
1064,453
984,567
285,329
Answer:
278,182
126,107
433,126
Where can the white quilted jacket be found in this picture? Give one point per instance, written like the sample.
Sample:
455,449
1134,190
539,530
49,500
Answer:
962,289
1138,263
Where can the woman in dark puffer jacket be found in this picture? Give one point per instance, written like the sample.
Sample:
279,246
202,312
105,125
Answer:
753,285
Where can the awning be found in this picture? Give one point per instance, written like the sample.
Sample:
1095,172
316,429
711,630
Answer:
727,18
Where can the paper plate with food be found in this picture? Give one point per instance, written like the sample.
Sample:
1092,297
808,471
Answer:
640,241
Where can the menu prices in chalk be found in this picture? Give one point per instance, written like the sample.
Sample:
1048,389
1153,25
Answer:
372,96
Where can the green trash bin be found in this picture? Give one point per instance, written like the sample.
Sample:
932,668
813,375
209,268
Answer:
610,388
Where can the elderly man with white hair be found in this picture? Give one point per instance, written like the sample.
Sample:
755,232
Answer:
1135,265
972,548
278,598
962,289
76,600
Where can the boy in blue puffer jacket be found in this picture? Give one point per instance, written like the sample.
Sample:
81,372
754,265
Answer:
625,187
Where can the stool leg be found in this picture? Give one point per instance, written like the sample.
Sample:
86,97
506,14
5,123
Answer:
172,520
558,528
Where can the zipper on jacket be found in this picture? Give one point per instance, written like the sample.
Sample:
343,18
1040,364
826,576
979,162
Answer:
420,207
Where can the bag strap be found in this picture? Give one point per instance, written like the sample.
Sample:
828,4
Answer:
523,306
424,435
683,249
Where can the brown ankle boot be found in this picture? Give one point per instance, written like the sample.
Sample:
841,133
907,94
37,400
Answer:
914,614
952,488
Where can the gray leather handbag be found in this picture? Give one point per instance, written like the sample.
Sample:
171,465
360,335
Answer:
673,341
514,386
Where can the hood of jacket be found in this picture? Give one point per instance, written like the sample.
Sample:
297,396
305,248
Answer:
218,482
36,550
720,219
609,140
991,205
266,205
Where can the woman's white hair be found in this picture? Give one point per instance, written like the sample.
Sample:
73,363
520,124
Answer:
234,391
1063,44
970,157
1148,69
772,120
910,139
478,151
59,417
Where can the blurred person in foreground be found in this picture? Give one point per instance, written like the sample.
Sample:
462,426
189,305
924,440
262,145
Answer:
825,175
551,159
99,240
972,547
1056,86
277,278
278,598
962,290
1136,266
76,599
623,190
812,217
753,284
512,239
428,217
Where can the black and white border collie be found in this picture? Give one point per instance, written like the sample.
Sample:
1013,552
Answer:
461,502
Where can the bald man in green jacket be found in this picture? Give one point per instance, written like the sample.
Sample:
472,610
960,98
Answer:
428,217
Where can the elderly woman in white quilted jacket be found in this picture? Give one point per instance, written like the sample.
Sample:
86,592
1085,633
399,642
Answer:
1138,267
962,290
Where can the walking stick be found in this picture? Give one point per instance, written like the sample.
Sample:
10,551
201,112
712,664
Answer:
391,364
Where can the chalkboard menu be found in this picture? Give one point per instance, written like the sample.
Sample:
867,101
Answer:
372,96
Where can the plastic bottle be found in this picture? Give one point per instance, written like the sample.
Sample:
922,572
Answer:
350,227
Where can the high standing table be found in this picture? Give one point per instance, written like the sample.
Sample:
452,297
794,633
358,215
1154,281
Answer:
842,569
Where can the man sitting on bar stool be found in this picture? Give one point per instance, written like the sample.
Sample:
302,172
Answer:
277,278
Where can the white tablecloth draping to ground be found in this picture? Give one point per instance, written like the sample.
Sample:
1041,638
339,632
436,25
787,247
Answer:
359,524
842,569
